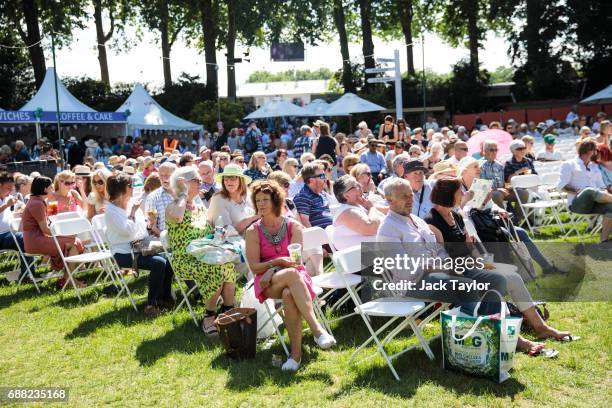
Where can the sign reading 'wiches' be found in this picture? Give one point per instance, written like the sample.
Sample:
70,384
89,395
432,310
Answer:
66,117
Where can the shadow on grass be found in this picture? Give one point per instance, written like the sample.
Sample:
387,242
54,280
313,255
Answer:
13,296
253,373
125,315
184,338
415,369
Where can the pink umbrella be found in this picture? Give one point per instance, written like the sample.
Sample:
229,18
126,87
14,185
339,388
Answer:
502,138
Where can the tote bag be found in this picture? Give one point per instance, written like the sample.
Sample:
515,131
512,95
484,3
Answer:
482,346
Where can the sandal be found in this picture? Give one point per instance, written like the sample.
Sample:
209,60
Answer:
569,338
544,352
208,325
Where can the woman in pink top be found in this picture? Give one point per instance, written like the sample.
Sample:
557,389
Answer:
66,195
276,275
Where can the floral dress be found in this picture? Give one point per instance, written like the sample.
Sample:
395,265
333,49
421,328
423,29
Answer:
208,277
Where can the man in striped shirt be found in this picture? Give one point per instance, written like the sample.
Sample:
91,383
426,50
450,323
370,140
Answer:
312,205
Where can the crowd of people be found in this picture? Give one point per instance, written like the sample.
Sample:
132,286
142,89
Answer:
392,184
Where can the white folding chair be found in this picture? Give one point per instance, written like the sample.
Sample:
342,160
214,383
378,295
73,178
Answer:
69,215
14,226
329,230
395,308
163,237
530,182
97,257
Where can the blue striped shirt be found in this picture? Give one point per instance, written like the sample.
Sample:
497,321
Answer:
314,206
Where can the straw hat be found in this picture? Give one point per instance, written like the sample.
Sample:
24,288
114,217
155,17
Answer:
232,170
91,143
129,170
81,170
443,167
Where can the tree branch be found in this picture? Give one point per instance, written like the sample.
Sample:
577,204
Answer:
112,25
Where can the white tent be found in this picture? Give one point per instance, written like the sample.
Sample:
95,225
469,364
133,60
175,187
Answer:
350,103
146,113
278,108
601,97
45,97
317,107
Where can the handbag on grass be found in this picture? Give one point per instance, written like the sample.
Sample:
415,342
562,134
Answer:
238,331
482,346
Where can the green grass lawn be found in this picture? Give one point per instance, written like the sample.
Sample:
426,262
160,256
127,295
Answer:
116,356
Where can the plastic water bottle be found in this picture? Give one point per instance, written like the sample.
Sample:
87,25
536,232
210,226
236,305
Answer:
219,230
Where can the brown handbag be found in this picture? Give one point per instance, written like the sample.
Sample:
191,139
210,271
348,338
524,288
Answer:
238,331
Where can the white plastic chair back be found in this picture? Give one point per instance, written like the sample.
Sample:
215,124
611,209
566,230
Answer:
526,181
550,179
67,216
348,260
313,237
329,230
69,227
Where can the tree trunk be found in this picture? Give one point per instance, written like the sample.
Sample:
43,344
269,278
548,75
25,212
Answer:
229,45
471,10
36,54
165,43
209,14
405,13
340,21
368,43
531,33
101,41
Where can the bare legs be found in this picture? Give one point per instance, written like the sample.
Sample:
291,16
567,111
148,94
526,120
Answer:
72,251
542,330
289,286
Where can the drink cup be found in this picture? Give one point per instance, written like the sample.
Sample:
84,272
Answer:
488,259
52,208
295,253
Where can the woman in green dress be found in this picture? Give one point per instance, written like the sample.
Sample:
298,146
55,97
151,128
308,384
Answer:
186,221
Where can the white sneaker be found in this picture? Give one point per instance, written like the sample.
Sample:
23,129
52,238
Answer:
291,365
325,340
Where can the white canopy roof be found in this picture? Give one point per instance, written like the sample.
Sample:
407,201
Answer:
351,103
277,108
317,107
146,113
45,97
603,96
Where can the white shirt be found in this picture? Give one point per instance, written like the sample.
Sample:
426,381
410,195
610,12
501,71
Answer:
5,217
571,116
550,156
574,174
415,241
343,236
120,230
421,207
231,212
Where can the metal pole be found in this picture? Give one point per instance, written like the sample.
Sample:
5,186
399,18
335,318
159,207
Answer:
57,108
398,87
424,92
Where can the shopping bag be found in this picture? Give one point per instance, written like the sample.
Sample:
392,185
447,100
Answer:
265,328
237,330
482,346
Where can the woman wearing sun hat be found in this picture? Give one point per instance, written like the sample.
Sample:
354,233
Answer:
232,203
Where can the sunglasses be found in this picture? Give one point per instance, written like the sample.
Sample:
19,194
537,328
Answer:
99,182
465,149
69,183
318,176
492,150
520,148
223,158
366,173
240,161
286,185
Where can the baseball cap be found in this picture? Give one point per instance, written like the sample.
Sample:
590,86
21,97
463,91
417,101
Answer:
550,139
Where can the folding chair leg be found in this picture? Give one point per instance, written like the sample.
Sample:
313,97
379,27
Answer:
185,299
281,338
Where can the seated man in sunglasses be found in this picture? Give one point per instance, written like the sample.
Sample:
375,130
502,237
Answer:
312,204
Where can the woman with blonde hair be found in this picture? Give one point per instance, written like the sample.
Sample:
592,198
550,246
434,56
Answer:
349,161
98,198
361,172
65,194
291,167
258,167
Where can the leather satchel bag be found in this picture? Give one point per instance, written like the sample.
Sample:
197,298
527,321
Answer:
238,331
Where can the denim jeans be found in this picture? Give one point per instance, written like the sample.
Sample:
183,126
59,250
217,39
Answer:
160,276
7,242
